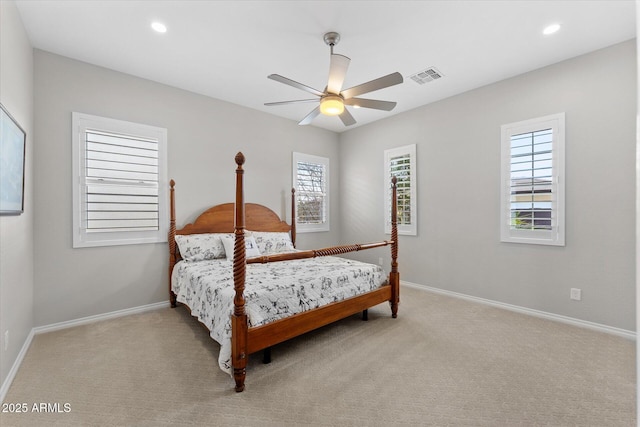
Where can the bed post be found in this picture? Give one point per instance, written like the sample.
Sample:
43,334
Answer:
293,217
172,240
239,317
394,276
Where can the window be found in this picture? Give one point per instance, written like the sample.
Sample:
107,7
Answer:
119,182
532,200
401,163
311,181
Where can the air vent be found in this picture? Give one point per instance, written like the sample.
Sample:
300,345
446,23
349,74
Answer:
426,76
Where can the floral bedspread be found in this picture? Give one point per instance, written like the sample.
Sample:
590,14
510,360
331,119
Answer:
272,291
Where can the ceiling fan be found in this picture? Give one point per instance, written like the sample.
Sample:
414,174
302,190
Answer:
334,99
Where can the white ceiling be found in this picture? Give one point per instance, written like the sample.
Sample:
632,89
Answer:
226,49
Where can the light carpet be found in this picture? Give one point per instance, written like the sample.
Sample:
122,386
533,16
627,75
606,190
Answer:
442,362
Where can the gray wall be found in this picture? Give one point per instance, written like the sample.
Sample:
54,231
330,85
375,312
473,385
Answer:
458,152
204,135
16,243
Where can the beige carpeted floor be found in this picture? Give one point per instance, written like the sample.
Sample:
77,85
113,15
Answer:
442,362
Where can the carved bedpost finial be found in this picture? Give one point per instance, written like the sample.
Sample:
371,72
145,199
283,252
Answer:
239,158
172,183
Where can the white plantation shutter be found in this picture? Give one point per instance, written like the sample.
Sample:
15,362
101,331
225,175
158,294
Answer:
531,181
400,167
311,182
311,193
121,182
532,174
120,169
401,163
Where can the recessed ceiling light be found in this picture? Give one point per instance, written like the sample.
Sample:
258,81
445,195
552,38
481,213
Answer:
550,29
159,27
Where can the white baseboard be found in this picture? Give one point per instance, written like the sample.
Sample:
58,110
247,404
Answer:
70,324
16,365
531,312
100,317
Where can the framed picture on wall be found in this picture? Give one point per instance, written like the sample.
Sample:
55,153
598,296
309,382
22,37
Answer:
12,150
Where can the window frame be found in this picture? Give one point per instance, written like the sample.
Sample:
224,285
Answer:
555,236
403,229
309,158
81,123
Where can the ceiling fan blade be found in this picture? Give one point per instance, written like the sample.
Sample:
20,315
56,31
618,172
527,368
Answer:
298,101
309,117
377,84
347,118
337,72
279,78
371,103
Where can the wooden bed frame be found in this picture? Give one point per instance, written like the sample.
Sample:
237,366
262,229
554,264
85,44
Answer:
238,216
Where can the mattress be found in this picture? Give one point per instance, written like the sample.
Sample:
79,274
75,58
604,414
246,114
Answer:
272,291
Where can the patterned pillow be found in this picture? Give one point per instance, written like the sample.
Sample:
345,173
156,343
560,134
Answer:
199,247
272,242
251,248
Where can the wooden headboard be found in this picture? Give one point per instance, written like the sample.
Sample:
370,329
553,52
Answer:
221,219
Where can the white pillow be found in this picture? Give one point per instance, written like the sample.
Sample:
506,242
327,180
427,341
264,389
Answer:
199,247
270,242
250,246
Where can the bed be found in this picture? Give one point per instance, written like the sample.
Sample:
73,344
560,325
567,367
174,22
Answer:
237,270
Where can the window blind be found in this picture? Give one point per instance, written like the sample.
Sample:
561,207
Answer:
311,193
532,175
400,167
531,178
400,162
121,182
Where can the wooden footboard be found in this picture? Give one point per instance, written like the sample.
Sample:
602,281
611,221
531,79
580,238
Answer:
248,340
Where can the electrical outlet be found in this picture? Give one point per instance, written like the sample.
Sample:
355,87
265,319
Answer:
6,340
380,261
576,294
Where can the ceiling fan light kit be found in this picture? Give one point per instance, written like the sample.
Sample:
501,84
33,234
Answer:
333,99
331,105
